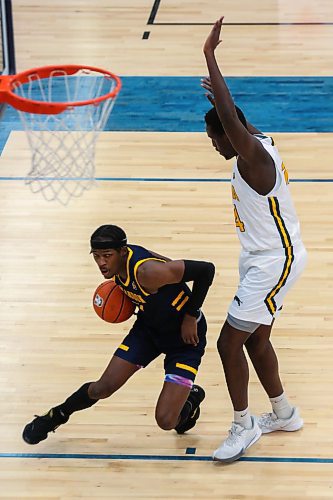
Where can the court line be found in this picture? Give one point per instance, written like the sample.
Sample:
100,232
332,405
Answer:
190,451
247,24
191,458
141,179
153,12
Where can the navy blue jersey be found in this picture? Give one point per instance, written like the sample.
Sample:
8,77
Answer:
155,309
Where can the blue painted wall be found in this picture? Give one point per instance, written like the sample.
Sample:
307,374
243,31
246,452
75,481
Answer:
178,104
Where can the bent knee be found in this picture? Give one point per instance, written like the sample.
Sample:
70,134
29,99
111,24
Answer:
166,421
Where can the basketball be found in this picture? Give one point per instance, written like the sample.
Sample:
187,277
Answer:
111,304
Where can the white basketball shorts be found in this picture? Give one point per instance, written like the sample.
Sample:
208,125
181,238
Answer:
265,278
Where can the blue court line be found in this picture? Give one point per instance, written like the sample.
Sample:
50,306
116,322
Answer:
190,451
186,458
141,179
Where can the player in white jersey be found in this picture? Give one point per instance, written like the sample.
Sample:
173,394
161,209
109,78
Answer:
272,258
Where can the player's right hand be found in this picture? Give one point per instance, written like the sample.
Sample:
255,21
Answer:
189,331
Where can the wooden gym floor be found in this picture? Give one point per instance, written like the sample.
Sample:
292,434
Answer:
51,341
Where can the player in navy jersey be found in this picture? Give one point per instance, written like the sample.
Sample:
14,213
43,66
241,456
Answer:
169,321
271,260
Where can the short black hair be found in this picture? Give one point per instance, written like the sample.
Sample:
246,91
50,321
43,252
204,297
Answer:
108,236
212,119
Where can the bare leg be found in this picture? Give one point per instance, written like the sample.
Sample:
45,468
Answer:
116,374
264,360
236,370
244,430
169,405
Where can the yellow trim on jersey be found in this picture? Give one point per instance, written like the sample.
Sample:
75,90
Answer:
234,194
135,297
186,367
130,253
182,303
136,270
279,222
285,173
179,296
123,347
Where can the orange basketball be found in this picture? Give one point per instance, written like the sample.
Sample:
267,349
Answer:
111,304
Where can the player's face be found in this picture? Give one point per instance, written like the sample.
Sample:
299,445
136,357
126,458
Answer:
109,261
221,143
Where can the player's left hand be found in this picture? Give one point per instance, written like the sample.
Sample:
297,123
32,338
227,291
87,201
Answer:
205,83
213,39
189,330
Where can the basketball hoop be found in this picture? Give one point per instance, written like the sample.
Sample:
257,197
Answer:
63,109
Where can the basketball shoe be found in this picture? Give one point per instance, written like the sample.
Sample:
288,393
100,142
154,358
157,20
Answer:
195,398
269,422
38,429
237,442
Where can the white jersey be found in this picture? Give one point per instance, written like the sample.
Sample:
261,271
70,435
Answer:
265,222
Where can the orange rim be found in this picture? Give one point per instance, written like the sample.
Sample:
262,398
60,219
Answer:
8,83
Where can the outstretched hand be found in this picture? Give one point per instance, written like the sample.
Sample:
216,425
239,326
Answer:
213,39
206,84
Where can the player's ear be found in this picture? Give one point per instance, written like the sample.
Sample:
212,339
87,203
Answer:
123,251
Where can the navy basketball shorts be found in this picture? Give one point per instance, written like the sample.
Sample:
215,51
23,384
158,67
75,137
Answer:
142,345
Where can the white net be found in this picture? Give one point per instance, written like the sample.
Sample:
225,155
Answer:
63,145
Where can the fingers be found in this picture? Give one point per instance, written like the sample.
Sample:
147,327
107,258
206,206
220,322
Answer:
206,80
205,83
192,340
218,23
205,86
210,99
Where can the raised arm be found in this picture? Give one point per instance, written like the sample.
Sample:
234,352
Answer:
254,161
205,83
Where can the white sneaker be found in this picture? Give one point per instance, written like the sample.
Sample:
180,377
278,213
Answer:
237,442
269,422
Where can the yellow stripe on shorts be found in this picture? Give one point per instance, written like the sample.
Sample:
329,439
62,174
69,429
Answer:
123,347
286,242
186,367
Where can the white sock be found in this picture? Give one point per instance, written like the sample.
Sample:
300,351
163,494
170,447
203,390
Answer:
281,406
243,418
